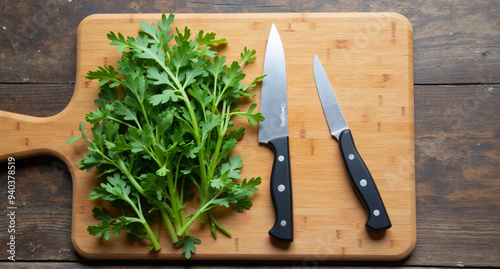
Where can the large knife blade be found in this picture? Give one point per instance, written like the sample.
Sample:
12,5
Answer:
359,174
274,131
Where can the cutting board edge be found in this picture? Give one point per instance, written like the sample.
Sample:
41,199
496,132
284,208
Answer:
243,256
133,17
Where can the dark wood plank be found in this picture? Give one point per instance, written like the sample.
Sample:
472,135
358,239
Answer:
145,265
457,175
455,41
41,100
42,223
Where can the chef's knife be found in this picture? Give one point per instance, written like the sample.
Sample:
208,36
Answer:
274,131
359,174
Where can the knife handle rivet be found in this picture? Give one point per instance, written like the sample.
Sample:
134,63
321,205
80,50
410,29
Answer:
363,182
376,213
351,156
281,158
281,188
283,223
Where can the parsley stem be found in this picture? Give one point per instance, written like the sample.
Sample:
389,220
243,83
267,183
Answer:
152,237
204,192
220,136
150,233
193,218
122,166
170,226
206,207
173,200
119,121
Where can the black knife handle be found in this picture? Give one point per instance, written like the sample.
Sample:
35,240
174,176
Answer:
363,183
281,191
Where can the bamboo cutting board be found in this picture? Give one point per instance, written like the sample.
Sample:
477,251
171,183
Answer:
369,59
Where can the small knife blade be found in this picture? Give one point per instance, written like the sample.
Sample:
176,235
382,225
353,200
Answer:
274,131
360,176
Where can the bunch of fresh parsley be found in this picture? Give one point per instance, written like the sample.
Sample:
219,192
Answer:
163,131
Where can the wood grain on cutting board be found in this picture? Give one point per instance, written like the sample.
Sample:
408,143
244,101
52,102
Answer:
369,60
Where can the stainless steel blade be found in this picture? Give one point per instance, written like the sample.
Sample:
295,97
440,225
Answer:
273,104
331,107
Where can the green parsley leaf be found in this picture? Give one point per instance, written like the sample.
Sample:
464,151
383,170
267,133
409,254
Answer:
188,245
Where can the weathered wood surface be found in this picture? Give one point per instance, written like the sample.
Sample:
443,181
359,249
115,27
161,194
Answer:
455,41
456,51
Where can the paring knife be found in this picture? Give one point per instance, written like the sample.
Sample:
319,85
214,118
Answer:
359,174
274,131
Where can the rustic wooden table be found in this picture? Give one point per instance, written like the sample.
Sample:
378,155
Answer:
457,123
